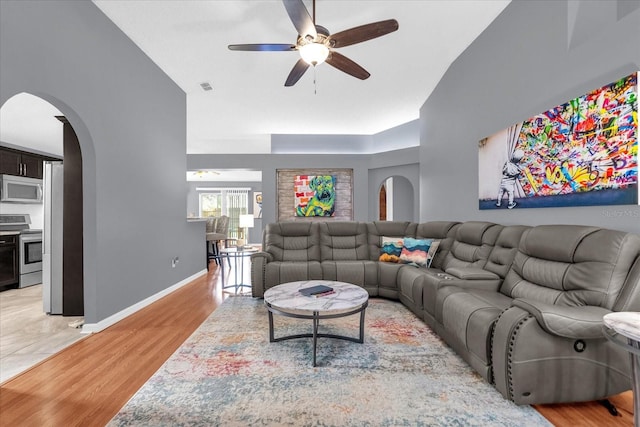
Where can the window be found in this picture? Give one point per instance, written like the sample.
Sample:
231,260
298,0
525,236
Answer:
237,204
210,204
232,202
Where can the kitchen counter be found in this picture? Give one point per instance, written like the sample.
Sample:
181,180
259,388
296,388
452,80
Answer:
9,233
196,219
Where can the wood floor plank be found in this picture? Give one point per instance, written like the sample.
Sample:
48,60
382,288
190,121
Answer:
590,414
87,383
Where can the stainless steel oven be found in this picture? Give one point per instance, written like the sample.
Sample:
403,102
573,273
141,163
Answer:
30,250
27,244
9,270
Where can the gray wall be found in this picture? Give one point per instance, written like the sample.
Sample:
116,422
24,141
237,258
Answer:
320,144
403,203
369,170
269,163
534,56
398,137
131,122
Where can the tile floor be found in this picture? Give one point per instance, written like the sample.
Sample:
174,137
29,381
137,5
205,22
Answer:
27,334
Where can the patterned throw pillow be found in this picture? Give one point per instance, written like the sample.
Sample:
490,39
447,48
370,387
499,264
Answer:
415,251
390,248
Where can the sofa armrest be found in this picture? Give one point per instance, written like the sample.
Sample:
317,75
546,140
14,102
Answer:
471,273
259,261
570,322
265,255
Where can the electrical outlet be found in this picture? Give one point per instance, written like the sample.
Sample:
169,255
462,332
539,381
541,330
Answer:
175,262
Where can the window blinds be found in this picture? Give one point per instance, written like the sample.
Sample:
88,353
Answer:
237,204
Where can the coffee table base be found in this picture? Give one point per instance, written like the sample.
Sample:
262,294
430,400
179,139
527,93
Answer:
316,317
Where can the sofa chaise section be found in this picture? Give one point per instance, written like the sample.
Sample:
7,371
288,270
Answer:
539,338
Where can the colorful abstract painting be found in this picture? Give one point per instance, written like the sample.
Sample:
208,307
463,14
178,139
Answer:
315,195
581,153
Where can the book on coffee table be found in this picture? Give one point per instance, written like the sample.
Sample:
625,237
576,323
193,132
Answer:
323,294
315,290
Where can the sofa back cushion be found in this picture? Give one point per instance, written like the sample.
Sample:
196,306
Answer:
378,229
472,244
629,298
505,249
572,265
293,241
343,241
444,231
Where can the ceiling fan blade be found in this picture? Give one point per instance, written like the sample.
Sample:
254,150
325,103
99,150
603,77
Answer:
263,47
297,72
300,17
343,63
363,33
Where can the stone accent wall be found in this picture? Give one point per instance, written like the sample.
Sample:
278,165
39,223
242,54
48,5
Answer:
286,196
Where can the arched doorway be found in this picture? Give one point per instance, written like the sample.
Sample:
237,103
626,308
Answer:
28,125
382,203
34,125
396,199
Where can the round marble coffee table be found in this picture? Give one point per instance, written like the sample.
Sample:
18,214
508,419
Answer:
286,300
627,325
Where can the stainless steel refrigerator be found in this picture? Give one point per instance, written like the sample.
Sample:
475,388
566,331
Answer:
52,238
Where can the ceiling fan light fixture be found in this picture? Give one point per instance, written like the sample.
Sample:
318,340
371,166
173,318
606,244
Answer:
314,53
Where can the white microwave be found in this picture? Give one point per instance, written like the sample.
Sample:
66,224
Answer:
19,189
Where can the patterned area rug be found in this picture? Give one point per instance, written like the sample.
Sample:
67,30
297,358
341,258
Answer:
228,374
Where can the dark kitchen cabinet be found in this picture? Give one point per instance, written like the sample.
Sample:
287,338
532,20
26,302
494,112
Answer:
32,166
8,261
9,162
20,163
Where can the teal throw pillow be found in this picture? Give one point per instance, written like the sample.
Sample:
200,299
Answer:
390,249
415,251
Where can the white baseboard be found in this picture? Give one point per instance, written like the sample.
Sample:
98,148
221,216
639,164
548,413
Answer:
89,328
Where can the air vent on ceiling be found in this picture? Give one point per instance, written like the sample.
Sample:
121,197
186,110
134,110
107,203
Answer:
206,86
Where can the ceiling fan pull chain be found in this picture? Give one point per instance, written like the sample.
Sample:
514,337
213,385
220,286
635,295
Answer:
315,80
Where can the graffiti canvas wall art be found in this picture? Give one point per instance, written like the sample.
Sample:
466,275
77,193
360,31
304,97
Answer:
581,153
315,195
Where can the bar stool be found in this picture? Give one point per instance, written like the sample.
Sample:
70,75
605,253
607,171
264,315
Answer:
217,230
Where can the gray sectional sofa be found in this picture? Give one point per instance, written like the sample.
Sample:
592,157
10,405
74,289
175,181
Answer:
521,305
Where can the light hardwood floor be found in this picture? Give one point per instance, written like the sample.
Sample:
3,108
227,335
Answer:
27,334
87,383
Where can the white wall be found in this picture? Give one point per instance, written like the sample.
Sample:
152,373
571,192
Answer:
34,210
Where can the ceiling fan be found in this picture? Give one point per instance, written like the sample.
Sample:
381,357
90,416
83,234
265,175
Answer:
316,44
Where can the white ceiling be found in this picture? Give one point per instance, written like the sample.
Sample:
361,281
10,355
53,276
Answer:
188,40
29,121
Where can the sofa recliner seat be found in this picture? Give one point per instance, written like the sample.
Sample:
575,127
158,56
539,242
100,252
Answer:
521,305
